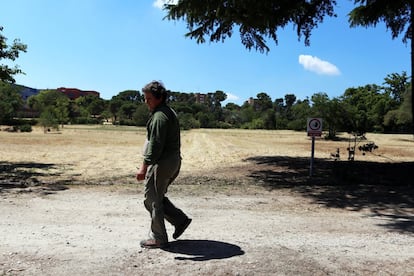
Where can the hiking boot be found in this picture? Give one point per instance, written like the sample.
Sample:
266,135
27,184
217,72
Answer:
179,230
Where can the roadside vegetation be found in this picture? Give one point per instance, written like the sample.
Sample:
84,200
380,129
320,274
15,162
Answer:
381,108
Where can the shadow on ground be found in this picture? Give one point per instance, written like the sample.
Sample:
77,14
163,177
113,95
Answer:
385,188
203,250
24,175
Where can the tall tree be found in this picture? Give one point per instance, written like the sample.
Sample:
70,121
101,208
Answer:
399,120
53,104
396,85
397,16
257,20
130,96
10,102
264,101
9,52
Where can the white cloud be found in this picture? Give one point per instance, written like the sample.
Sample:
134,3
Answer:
231,97
160,3
315,64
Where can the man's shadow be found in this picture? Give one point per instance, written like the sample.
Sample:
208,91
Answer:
203,250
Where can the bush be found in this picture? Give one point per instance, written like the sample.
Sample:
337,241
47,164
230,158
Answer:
85,121
127,122
187,121
25,128
224,125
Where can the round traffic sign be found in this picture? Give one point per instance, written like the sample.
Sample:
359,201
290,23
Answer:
315,124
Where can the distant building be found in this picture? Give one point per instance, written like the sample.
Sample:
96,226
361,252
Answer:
254,103
200,98
74,93
251,101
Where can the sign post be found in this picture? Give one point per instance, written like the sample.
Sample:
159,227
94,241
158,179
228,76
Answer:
314,128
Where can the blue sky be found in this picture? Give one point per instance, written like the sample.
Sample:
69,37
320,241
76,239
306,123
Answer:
111,46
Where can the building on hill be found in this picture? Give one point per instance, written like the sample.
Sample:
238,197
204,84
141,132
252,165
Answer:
200,98
74,93
253,103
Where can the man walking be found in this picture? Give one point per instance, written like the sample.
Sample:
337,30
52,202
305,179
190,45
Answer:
161,165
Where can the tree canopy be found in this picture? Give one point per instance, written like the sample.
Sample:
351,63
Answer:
10,102
214,20
9,52
397,16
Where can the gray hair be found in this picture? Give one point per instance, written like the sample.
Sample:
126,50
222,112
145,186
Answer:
157,89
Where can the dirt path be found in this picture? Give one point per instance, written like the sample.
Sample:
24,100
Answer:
255,211
96,231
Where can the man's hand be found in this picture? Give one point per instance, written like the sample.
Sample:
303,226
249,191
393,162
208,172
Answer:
142,172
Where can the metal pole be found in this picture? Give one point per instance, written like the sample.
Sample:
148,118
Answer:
312,156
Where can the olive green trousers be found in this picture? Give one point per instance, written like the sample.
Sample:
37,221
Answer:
159,176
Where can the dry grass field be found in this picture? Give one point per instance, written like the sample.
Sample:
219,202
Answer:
108,154
70,205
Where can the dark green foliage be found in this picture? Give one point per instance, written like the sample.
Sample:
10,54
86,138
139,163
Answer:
187,121
10,102
53,107
214,20
9,53
25,128
397,16
360,109
48,119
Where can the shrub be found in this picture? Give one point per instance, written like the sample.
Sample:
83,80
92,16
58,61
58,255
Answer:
187,121
25,128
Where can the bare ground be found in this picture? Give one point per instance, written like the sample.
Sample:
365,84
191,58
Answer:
255,210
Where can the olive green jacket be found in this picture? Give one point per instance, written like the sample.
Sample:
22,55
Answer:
163,135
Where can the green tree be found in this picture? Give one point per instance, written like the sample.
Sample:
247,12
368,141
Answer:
213,20
182,107
114,107
397,16
62,110
300,112
206,119
269,119
399,120
396,85
127,110
130,96
281,120
231,114
10,102
141,115
214,100
247,113
48,119
106,115
9,53
181,97
334,113
123,105
367,107
93,104
264,102
257,20
53,102
290,99
232,106
187,121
